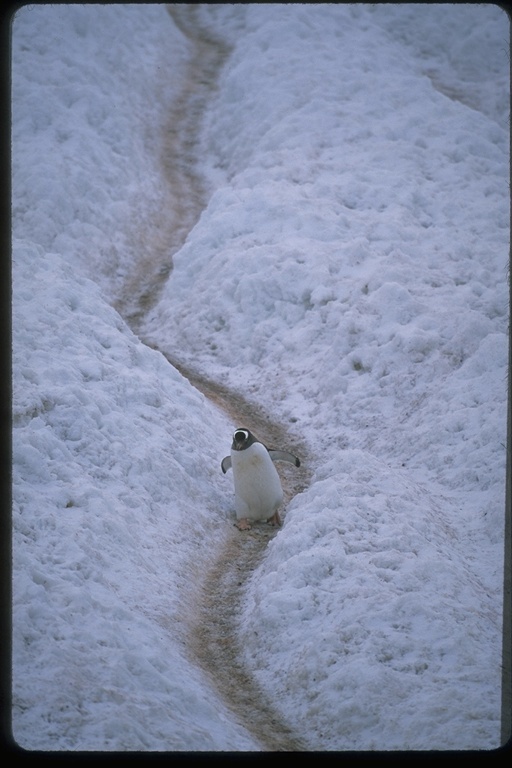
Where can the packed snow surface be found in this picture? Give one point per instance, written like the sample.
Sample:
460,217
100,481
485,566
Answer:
349,273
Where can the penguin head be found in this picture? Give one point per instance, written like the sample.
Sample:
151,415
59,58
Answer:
242,439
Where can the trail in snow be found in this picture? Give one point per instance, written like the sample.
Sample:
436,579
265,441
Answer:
186,186
214,633
213,630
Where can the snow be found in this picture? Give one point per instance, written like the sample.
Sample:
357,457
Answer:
107,472
349,273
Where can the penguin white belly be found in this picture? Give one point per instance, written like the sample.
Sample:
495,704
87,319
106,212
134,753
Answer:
258,491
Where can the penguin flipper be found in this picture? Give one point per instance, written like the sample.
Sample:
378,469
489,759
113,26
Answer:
284,456
226,464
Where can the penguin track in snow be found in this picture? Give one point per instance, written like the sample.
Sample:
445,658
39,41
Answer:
214,630
186,189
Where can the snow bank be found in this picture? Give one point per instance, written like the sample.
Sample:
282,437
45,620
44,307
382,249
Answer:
91,94
113,504
350,272
381,635
119,503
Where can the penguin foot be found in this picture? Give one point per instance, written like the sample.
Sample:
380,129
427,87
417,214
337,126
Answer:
243,524
275,519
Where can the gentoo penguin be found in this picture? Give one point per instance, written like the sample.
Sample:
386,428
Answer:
258,491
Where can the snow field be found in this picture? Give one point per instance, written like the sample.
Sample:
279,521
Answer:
350,274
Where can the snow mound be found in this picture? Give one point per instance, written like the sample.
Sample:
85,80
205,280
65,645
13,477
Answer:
91,93
364,600
117,488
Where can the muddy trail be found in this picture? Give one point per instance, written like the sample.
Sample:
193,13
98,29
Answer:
186,189
213,631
